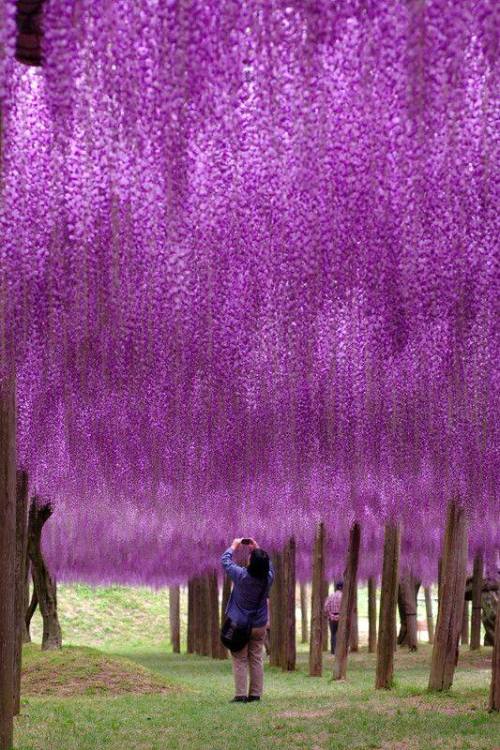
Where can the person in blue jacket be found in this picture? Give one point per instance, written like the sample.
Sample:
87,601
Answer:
247,605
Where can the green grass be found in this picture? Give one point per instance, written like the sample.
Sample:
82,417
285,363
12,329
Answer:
194,713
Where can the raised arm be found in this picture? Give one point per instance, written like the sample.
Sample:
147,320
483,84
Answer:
233,571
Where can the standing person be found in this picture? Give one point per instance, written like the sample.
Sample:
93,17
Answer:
247,605
332,611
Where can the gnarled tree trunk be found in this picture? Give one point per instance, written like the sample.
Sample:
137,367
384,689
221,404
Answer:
7,554
21,552
407,603
388,603
318,569
449,623
347,605
44,584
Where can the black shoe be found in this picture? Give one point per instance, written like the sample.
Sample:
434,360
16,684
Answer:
252,698
239,699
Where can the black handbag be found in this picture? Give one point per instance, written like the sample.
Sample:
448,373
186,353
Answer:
235,637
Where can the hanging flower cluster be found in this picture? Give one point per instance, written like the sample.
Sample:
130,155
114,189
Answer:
250,256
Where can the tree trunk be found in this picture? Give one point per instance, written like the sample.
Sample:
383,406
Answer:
217,650
324,622
276,607
226,593
494,704
45,585
388,603
289,653
465,625
21,552
174,616
407,603
354,639
303,611
26,599
372,616
318,570
190,623
198,636
449,622
7,554
31,611
429,615
477,585
347,605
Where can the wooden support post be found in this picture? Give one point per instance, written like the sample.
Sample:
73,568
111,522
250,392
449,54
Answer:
465,625
20,564
174,616
477,585
372,615
494,704
217,650
289,653
347,606
449,622
7,556
429,615
277,614
354,638
388,604
318,570
190,624
304,637
407,601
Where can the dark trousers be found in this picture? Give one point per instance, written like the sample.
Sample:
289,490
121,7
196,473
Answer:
334,624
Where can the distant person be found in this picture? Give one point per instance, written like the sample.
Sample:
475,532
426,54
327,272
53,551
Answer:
332,611
247,606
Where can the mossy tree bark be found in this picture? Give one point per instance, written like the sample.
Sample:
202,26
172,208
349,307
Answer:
7,555
316,637
174,615
449,622
388,604
347,606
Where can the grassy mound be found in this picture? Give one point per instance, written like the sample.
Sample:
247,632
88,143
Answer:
78,670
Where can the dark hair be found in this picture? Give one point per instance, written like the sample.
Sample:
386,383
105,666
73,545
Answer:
339,585
258,567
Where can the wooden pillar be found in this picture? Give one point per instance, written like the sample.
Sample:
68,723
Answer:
354,638
205,626
372,615
277,614
318,570
347,606
388,603
190,624
20,564
7,556
174,616
477,585
303,612
494,704
289,653
449,622
465,625
217,650
429,614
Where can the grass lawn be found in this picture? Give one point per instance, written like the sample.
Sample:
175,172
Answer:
132,694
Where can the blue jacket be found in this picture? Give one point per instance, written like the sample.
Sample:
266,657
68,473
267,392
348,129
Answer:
245,594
